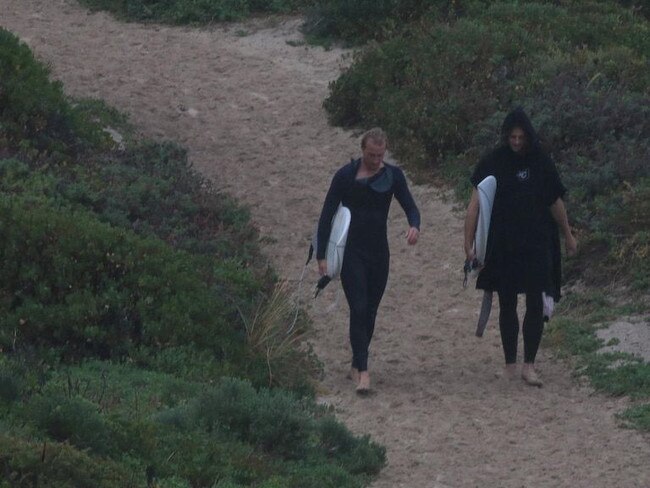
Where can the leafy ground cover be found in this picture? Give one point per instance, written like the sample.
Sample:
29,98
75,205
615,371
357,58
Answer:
573,335
197,12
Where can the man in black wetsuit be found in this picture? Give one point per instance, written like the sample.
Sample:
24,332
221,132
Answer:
366,187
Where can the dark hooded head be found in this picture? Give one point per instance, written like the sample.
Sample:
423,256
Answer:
518,118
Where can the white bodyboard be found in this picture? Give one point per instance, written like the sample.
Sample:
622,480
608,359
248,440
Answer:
486,191
336,243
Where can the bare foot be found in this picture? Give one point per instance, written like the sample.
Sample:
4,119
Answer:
529,375
364,382
354,375
510,371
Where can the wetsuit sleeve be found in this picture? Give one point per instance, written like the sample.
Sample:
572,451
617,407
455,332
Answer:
405,199
553,187
331,204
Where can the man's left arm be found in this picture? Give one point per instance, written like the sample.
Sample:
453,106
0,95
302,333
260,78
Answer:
405,199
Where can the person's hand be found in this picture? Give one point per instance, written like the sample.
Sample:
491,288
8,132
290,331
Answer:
570,244
412,235
470,254
322,267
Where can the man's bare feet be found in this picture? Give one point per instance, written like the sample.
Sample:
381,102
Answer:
364,382
529,375
354,375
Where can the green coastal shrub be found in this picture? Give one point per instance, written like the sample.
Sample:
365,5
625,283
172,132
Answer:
153,423
35,116
429,90
271,419
152,189
358,22
192,11
280,426
60,465
363,20
74,420
73,283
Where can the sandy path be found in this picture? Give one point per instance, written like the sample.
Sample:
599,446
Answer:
248,109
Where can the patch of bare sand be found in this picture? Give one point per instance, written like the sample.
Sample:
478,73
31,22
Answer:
249,110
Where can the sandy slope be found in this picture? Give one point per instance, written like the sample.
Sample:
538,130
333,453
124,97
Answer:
248,107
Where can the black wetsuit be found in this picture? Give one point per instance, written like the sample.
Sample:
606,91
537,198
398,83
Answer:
523,249
366,260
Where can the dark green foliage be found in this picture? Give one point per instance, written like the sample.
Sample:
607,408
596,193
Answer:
26,463
74,420
356,456
192,11
10,387
359,21
268,419
79,285
157,426
152,189
35,117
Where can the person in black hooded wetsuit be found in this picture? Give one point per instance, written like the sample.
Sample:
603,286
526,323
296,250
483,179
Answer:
366,187
523,248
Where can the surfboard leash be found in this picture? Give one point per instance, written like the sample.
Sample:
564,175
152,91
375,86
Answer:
468,268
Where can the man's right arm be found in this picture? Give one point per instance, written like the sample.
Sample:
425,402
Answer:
471,220
332,201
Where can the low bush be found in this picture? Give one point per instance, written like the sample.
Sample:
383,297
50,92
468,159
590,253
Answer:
357,22
60,465
152,189
192,11
273,421
74,420
36,119
73,283
160,428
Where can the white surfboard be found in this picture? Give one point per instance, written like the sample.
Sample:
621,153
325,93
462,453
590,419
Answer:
486,191
336,243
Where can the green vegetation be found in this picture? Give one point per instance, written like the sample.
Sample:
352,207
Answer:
143,339
572,333
103,424
192,11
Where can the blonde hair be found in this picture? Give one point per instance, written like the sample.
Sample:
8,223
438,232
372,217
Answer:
377,135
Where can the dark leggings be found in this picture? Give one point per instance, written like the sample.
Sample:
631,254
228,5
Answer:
364,281
509,325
